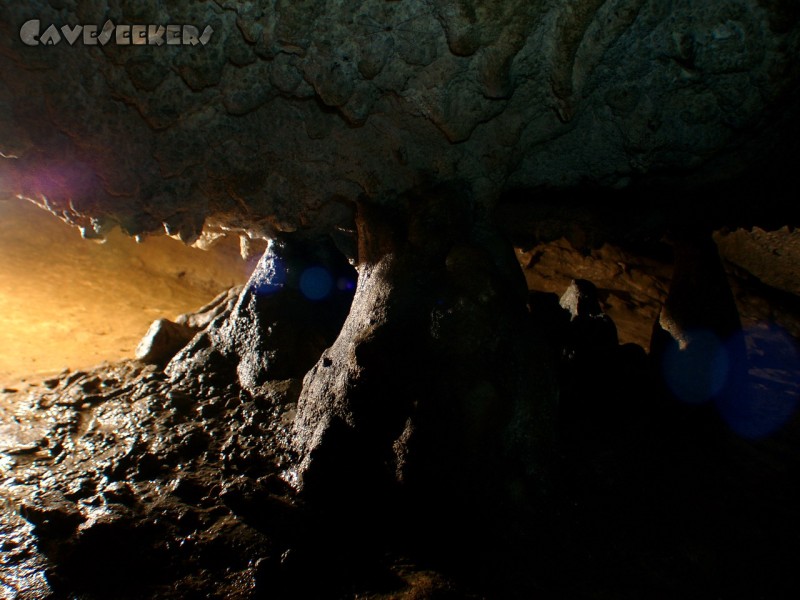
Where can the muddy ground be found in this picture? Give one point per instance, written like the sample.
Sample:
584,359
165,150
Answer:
118,482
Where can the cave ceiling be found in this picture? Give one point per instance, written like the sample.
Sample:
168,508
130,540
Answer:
292,111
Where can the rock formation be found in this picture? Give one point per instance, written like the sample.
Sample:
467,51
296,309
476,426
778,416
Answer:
385,357
293,107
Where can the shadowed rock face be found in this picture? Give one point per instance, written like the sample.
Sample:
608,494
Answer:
291,105
437,379
278,324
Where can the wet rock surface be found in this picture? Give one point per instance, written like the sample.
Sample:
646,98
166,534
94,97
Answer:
125,482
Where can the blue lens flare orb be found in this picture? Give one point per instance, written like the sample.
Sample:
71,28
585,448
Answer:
769,400
345,284
271,271
316,283
699,371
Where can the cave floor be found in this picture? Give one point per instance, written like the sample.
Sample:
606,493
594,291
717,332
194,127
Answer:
117,483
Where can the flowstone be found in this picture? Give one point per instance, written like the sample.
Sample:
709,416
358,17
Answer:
291,106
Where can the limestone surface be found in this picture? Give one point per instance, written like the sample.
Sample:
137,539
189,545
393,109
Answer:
291,108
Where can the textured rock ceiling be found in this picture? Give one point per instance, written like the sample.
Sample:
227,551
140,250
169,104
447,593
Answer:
295,108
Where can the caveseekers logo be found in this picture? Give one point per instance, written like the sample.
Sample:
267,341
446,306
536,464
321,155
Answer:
31,34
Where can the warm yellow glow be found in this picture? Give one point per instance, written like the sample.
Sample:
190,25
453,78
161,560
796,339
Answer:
66,302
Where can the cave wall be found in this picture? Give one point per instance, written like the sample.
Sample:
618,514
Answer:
292,107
